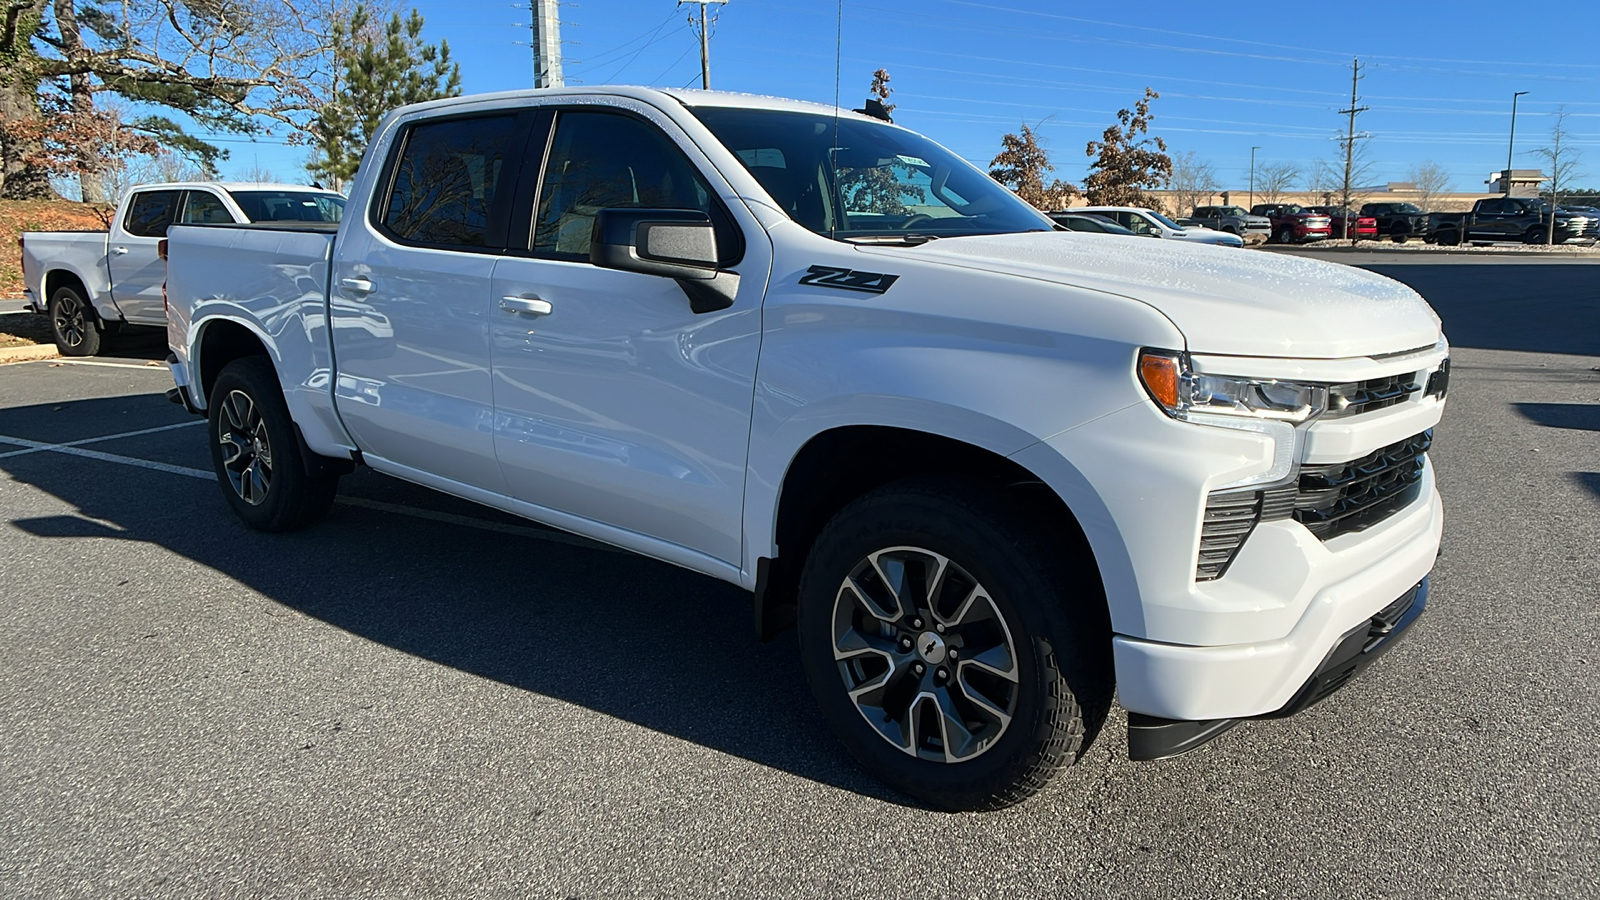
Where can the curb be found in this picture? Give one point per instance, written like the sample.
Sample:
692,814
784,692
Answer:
28,353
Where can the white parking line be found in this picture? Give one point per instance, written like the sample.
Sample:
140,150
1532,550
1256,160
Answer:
73,449
36,447
109,365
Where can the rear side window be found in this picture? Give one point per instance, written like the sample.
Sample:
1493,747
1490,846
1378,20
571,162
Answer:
447,181
151,212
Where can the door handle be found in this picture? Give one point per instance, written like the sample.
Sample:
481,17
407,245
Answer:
359,285
119,251
532,306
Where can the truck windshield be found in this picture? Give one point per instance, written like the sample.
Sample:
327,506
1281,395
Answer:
289,206
1164,220
872,180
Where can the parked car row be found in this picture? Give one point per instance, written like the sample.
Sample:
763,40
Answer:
1524,219
1140,221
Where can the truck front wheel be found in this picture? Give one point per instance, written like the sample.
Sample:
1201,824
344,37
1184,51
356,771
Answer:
950,646
72,323
259,460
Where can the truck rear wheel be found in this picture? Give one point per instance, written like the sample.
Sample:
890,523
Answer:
72,323
258,457
953,652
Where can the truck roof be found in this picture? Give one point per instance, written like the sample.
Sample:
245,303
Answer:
656,96
230,186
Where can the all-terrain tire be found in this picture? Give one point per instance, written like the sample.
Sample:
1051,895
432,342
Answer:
256,453
1048,599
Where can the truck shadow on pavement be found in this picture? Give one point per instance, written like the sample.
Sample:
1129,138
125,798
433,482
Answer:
1576,416
613,632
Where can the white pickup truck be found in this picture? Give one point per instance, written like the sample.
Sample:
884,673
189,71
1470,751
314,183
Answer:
990,470
96,282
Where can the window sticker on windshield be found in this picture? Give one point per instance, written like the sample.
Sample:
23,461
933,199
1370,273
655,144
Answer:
764,157
912,160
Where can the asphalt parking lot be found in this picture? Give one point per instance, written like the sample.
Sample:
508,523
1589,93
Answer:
420,697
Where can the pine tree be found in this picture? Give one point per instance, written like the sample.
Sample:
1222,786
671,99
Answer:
381,72
1022,165
1126,165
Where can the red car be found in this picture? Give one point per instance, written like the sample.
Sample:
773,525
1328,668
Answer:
1293,223
1362,228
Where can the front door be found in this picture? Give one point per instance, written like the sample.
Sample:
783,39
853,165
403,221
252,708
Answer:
136,269
410,302
614,401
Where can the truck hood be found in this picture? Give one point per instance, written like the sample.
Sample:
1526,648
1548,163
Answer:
1224,300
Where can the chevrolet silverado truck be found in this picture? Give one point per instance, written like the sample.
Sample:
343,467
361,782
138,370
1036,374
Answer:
1400,221
1293,223
1234,220
988,470
1524,220
100,282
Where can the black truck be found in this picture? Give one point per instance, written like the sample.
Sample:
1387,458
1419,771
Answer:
1520,219
1398,221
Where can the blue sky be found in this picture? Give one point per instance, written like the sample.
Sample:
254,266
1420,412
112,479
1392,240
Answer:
1231,75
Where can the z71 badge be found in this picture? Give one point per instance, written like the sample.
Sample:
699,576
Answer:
848,279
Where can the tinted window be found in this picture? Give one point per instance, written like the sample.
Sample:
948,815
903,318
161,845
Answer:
204,208
607,161
447,180
151,212
289,206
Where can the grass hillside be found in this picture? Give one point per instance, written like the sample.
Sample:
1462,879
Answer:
17,216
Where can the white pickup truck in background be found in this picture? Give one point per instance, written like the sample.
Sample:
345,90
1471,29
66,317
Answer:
990,470
94,282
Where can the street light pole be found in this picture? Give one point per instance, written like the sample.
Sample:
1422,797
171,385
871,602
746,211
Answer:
1512,143
1253,175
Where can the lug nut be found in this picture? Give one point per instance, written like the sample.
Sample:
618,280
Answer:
953,653
905,643
916,623
939,627
942,674
918,668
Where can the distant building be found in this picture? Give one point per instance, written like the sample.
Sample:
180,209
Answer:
1516,182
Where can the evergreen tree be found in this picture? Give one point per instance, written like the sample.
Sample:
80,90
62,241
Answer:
381,72
1127,165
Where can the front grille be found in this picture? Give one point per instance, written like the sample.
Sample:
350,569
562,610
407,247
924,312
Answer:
1340,498
1373,394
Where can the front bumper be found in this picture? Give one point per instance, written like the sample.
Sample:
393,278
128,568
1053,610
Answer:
1151,737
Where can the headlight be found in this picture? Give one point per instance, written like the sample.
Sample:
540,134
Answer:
1269,407
1184,393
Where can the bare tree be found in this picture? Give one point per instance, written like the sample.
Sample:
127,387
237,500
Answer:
1431,180
1023,164
1274,179
1193,182
1561,158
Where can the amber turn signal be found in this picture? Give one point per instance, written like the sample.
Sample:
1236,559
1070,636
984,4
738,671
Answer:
1160,371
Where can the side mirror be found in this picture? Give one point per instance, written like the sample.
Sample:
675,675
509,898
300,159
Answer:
672,243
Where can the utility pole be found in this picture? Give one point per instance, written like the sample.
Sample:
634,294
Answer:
544,23
1350,140
705,41
1506,181
1253,175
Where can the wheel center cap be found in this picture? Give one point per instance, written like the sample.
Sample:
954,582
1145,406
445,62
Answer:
931,648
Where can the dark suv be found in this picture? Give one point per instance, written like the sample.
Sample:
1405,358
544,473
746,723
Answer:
1399,221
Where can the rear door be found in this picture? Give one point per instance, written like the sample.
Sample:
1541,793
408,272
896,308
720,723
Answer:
614,401
409,300
132,260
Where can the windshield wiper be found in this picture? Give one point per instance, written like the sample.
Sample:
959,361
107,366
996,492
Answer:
910,240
